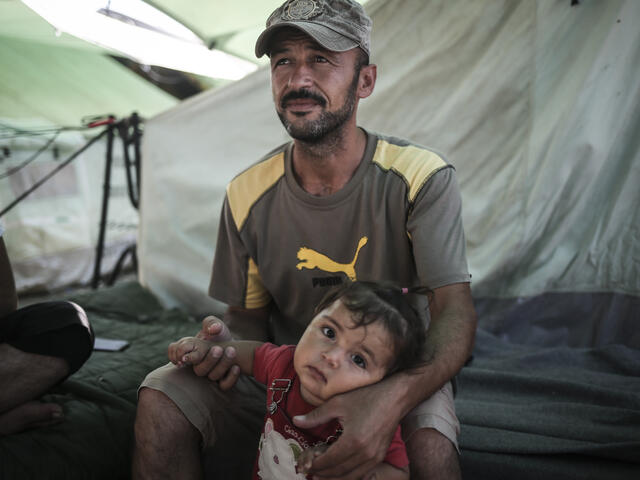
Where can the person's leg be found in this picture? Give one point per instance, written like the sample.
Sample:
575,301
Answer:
40,345
432,456
25,377
56,329
430,432
182,415
167,444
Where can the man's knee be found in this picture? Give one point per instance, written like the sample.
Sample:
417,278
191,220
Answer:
432,456
159,420
166,444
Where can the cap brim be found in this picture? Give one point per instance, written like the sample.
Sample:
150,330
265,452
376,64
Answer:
326,37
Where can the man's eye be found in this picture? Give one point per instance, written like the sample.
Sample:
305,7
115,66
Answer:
359,361
328,332
320,59
282,61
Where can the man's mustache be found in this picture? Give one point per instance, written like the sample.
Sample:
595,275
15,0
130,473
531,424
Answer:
302,94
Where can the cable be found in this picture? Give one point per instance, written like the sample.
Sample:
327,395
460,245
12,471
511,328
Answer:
9,132
88,122
14,170
54,171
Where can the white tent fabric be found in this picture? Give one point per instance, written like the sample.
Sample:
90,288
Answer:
49,82
51,235
536,104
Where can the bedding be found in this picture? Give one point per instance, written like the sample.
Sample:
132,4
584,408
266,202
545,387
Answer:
99,400
555,413
526,412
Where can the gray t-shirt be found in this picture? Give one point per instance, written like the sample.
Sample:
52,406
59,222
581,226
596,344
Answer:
398,219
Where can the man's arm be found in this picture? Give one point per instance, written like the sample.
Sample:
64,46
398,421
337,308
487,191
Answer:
8,295
368,432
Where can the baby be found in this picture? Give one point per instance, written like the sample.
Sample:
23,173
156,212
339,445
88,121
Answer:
361,333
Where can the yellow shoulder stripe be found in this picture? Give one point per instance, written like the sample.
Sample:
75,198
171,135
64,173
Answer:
415,165
257,294
244,190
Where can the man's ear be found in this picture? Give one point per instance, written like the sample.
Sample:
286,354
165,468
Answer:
367,80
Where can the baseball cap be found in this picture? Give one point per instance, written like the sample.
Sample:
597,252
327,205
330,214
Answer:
337,25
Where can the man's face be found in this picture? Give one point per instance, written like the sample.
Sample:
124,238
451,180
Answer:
333,357
314,89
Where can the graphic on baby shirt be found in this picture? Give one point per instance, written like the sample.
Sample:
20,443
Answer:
278,455
311,259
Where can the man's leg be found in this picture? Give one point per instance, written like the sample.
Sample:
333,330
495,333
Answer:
182,416
430,431
25,377
432,456
167,444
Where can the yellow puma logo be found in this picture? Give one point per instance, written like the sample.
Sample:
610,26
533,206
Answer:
311,259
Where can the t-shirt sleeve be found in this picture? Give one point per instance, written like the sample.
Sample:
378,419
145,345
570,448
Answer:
397,452
235,279
435,227
270,361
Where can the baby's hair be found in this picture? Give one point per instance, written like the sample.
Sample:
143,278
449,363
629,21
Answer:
389,304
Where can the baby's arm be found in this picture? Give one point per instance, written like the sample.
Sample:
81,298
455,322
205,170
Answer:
192,350
384,471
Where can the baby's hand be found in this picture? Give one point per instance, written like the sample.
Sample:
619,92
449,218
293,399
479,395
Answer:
307,456
188,351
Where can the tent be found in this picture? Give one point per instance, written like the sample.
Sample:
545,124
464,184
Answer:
535,104
48,85
537,113
53,84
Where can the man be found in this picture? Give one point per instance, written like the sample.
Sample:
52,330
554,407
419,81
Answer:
338,203
40,345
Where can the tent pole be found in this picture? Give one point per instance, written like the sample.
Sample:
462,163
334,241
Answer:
106,191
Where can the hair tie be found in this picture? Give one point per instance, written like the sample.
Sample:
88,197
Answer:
405,290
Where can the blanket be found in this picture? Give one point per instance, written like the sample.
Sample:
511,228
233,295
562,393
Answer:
562,413
99,400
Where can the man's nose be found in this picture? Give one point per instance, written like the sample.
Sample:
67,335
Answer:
300,77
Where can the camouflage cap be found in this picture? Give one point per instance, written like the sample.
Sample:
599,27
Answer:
337,25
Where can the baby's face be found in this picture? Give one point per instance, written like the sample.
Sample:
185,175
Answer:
332,357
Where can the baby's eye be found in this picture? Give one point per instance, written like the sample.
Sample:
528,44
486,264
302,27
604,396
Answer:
359,361
328,332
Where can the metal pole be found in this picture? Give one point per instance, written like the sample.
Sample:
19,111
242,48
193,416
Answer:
106,191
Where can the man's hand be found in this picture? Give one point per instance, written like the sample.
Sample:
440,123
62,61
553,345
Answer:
214,330
306,458
367,432
218,364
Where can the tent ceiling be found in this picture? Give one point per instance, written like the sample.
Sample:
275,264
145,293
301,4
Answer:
17,21
232,25
58,79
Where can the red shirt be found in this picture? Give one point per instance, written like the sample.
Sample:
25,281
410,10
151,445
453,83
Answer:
281,441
